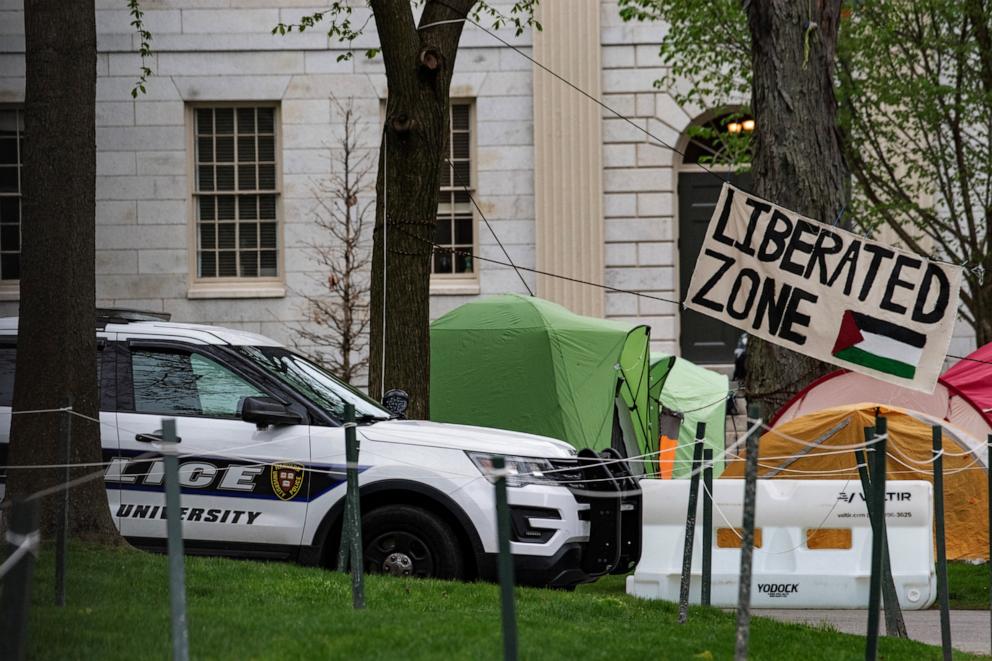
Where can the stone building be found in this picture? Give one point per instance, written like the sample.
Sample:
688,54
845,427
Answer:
205,184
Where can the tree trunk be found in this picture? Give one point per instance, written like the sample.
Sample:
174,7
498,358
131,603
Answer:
56,344
419,63
797,161
981,308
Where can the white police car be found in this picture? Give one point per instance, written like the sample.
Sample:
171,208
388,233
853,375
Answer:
262,465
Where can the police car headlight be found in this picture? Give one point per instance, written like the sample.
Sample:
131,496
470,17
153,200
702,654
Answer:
520,470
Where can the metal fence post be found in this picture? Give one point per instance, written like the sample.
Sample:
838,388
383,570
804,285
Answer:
177,571
344,548
15,598
505,561
704,597
895,625
353,511
876,504
690,524
747,540
62,523
938,516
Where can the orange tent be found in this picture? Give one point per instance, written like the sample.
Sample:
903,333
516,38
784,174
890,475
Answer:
815,446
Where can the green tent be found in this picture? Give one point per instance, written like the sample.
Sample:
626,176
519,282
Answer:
694,394
526,364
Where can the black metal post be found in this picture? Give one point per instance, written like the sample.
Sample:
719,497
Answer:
174,526
344,547
354,510
505,562
895,625
747,539
690,524
877,505
15,598
705,588
938,517
862,463
62,529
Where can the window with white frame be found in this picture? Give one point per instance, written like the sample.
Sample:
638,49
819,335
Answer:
455,231
236,191
11,158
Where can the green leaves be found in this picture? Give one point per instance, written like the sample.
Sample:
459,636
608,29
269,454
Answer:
521,15
343,30
144,46
706,46
914,92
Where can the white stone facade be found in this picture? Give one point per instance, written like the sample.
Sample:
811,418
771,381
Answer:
224,50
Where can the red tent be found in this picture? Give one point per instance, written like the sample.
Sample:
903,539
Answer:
972,377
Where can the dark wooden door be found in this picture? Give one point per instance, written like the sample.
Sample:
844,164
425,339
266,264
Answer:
703,339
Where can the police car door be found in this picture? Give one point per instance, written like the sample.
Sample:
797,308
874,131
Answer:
105,375
242,486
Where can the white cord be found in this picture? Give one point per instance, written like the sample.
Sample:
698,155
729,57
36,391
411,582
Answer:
385,222
25,544
430,25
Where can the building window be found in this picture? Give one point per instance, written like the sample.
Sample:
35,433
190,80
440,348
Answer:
236,193
11,158
455,233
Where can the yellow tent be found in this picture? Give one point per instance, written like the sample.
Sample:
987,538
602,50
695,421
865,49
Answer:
807,448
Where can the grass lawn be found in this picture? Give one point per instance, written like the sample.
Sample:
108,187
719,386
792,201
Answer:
969,585
118,608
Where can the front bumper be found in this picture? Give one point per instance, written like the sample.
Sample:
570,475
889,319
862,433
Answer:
561,570
598,533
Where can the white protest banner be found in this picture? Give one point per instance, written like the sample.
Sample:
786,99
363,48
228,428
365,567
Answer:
825,292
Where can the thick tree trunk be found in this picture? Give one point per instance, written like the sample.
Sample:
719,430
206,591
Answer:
419,63
56,345
797,161
981,309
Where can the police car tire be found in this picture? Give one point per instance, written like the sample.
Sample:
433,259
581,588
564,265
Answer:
407,521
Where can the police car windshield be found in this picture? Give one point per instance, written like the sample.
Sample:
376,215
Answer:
311,381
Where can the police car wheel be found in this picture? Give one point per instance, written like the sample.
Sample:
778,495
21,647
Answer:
409,541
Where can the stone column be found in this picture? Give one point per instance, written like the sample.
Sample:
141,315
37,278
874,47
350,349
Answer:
568,173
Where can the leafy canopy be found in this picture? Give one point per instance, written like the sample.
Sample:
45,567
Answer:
914,92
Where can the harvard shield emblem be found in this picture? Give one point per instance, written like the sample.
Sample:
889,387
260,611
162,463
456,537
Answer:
287,480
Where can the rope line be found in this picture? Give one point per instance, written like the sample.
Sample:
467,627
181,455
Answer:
586,94
621,116
28,543
734,528
385,222
454,174
490,260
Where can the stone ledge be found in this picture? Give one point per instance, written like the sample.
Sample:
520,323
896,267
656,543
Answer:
444,287
10,290
236,290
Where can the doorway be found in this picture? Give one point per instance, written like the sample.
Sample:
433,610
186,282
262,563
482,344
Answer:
702,339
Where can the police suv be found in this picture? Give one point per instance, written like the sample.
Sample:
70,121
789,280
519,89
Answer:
262,464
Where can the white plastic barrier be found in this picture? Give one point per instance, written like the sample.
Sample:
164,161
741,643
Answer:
786,572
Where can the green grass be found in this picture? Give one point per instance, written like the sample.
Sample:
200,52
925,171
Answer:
969,585
118,609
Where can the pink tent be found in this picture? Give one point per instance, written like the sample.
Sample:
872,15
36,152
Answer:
962,398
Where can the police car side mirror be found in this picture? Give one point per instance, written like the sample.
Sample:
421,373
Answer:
265,411
396,402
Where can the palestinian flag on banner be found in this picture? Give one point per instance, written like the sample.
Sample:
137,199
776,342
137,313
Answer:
879,345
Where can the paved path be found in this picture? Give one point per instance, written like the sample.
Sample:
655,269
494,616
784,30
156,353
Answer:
969,629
